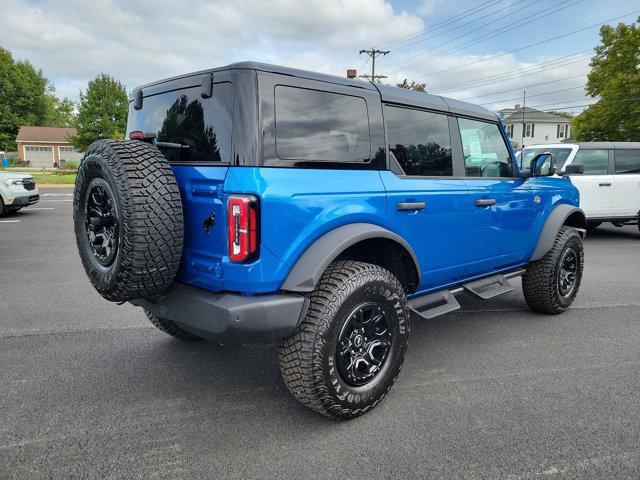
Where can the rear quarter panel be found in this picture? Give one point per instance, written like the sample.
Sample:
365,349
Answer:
298,206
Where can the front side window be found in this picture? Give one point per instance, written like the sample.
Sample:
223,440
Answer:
596,162
485,153
627,161
188,128
317,126
420,141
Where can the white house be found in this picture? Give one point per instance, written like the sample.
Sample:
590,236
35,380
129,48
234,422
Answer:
539,127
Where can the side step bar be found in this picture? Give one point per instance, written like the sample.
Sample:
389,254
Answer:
441,302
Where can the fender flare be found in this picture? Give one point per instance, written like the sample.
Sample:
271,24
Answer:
308,269
552,225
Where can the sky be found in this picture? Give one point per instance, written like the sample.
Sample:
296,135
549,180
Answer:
479,51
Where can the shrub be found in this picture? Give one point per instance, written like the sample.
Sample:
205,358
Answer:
73,166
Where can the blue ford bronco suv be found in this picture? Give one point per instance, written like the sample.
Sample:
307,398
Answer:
256,203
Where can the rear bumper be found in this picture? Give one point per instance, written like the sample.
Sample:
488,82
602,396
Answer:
229,318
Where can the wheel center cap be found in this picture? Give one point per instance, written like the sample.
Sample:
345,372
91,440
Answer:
358,340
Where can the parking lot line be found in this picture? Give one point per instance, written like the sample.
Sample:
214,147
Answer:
42,208
9,221
66,200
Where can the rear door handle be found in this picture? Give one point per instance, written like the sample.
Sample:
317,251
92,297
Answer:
485,202
605,184
410,205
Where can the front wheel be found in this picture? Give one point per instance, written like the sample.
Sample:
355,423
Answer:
347,352
551,284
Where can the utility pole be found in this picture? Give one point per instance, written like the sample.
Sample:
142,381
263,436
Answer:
373,53
524,106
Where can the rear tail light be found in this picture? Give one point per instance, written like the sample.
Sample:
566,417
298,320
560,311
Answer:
242,227
136,135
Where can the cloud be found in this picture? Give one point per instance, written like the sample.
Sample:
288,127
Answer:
72,41
147,40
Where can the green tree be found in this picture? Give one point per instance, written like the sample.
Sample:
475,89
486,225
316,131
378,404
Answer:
23,97
60,113
615,78
413,85
102,112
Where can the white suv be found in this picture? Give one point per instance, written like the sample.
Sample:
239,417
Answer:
17,190
610,185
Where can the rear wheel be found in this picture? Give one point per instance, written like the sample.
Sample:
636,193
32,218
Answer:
170,328
347,352
551,284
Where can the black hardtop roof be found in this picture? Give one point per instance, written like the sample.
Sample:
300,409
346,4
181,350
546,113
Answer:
388,93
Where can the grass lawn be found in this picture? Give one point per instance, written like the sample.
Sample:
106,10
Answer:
47,177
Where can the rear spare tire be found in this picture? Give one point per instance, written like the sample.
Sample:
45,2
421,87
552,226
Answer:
128,221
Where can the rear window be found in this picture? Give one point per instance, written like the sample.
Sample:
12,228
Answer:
317,126
627,161
187,127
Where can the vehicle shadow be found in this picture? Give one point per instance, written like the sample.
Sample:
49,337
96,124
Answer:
607,233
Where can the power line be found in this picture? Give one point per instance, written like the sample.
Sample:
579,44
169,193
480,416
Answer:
524,71
426,35
442,23
524,86
470,31
535,95
500,31
534,44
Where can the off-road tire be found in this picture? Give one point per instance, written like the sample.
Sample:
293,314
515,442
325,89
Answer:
3,210
148,210
540,282
308,356
170,328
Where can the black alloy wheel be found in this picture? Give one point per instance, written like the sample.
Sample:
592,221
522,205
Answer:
568,272
363,344
101,221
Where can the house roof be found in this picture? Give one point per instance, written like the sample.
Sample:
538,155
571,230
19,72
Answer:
29,133
535,116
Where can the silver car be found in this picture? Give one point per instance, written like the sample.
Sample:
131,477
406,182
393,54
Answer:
17,190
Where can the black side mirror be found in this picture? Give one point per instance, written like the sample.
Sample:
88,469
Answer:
574,169
542,165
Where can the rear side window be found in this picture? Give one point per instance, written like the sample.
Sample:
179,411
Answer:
312,125
627,161
188,128
596,162
485,153
420,141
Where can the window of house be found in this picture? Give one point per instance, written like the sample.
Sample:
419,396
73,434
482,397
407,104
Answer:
596,162
420,141
312,125
67,149
201,126
38,149
510,130
562,131
529,129
627,161
485,152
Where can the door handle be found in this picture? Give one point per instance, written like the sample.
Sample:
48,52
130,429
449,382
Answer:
605,184
410,206
485,202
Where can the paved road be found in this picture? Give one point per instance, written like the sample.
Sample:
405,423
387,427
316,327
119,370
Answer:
89,389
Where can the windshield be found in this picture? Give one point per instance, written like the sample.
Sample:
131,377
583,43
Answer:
560,156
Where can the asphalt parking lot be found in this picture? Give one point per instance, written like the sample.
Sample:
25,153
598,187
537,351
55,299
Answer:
90,389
